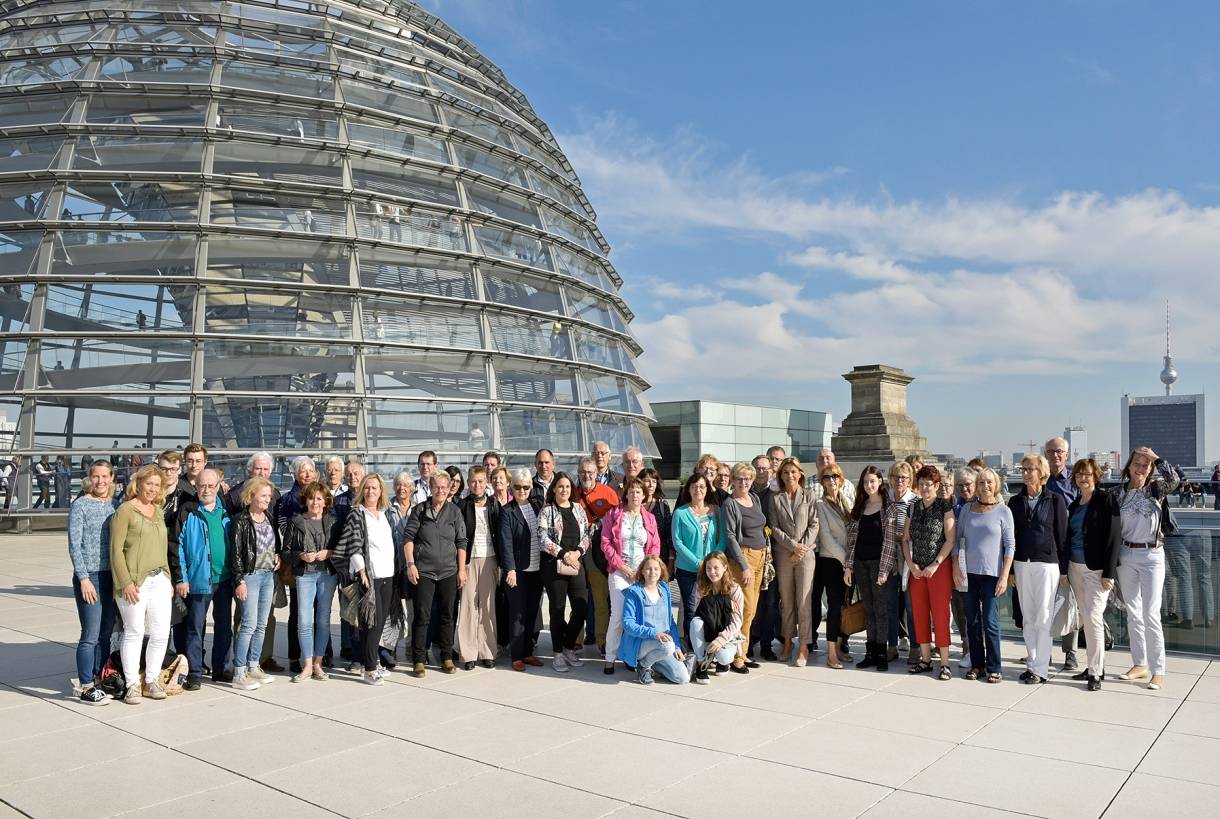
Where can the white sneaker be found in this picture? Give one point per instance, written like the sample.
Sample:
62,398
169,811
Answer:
572,659
242,682
560,664
257,674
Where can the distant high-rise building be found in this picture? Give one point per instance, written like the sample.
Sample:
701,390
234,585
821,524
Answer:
1171,424
1105,460
993,458
1017,456
1078,443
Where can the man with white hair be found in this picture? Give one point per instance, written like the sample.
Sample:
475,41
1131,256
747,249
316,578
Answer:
333,474
633,465
203,576
354,474
258,465
601,460
304,472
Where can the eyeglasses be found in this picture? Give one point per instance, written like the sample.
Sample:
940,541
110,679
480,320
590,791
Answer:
826,478
1029,469
926,484
517,487
902,479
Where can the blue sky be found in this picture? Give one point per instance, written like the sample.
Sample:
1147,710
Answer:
998,199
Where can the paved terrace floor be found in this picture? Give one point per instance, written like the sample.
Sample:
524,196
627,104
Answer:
780,741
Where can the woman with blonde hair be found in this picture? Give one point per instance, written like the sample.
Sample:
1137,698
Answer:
92,583
715,630
256,559
794,533
834,516
139,565
367,555
651,639
1040,561
986,536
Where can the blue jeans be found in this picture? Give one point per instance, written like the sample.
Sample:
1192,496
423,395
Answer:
260,593
315,593
983,622
686,584
699,645
96,623
660,658
221,602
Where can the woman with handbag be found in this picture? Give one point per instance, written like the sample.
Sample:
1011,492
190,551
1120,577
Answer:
256,559
745,534
927,541
434,543
1143,504
369,560
696,534
629,534
834,515
563,533
139,565
872,556
650,635
715,629
92,583
794,532
520,561
308,537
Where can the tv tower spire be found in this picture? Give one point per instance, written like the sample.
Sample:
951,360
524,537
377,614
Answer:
1168,375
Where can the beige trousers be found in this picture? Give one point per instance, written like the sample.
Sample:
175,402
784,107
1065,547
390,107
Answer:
477,611
1091,597
795,581
755,558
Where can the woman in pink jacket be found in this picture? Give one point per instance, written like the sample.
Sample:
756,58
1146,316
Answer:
629,534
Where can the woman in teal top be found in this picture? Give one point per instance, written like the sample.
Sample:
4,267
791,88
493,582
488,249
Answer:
696,534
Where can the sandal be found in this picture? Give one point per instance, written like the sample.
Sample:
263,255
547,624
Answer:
945,673
920,668
972,674
994,678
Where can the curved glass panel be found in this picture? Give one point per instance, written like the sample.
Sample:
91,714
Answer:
292,226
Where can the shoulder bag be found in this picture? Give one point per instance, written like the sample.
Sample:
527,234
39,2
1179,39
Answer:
852,617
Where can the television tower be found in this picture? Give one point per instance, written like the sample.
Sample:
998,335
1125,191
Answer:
1168,375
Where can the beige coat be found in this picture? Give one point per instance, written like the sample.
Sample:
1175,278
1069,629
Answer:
832,533
793,520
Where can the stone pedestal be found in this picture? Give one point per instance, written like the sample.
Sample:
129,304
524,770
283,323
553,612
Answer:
878,430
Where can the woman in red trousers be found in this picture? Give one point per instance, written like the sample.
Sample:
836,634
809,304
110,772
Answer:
926,544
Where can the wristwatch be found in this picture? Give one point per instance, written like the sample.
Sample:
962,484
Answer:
410,563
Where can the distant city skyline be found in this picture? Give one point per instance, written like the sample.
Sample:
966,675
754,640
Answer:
998,200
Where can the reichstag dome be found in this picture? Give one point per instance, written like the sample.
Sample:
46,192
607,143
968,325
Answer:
293,226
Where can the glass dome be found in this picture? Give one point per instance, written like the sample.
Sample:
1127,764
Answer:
298,227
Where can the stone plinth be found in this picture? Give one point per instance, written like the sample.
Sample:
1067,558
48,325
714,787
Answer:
878,429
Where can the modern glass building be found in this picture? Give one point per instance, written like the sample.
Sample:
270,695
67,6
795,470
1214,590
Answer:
295,226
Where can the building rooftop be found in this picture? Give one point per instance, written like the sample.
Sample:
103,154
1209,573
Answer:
795,741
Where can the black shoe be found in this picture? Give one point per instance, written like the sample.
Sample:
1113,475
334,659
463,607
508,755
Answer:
1070,664
868,661
223,678
207,669
752,664
487,663
294,666
191,683
883,664
1083,675
769,656
387,659
468,665
1025,675
701,676
328,661
345,654
1032,679
741,669
722,669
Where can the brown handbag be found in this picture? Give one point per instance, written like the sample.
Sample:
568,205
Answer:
852,619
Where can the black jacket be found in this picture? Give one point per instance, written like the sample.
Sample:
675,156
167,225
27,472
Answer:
515,538
297,541
664,515
1103,532
467,505
245,543
438,539
1041,533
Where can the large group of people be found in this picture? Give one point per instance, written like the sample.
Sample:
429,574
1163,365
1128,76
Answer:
455,563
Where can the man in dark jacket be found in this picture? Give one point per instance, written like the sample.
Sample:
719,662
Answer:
544,473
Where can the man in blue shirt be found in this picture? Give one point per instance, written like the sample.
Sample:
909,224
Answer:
1061,483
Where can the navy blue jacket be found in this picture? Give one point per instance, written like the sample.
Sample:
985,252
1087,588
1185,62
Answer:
1041,533
514,538
1103,532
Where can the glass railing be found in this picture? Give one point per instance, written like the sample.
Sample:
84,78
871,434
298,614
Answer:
1188,598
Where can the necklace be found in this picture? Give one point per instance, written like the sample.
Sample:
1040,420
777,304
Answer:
984,503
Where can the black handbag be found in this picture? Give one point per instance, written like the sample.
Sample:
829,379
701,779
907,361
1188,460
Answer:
599,557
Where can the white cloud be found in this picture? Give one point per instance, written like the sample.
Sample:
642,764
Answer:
955,288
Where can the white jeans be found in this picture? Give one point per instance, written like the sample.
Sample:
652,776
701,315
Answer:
1141,576
614,634
150,615
1091,597
1036,591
